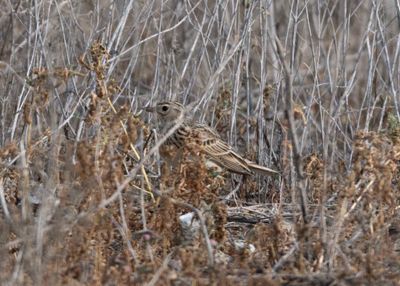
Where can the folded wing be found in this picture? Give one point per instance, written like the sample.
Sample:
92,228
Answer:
222,154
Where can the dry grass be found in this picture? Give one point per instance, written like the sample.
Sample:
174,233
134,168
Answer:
306,87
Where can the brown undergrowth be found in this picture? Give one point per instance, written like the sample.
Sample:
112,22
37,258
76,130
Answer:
91,211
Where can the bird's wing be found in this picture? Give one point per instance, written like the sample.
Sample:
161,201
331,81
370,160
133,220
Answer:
219,151
223,154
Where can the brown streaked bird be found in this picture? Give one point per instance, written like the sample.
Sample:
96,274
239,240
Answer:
171,113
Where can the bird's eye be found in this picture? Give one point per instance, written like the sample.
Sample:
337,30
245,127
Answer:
164,108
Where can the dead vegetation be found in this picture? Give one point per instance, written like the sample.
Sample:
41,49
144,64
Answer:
308,88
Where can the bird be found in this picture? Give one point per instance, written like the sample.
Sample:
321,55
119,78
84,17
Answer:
172,115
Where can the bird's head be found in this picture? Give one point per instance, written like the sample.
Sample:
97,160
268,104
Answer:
167,111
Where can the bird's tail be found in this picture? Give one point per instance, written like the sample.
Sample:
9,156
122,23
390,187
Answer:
261,169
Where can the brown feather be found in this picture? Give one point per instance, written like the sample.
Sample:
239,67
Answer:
206,138
219,151
261,169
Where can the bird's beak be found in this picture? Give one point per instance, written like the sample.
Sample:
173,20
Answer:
150,109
